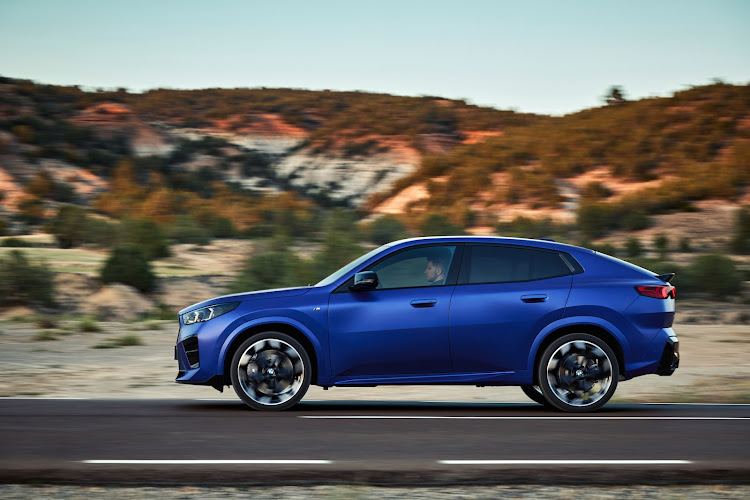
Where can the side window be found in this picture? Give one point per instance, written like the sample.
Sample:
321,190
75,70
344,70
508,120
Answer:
499,264
548,265
423,266
507,264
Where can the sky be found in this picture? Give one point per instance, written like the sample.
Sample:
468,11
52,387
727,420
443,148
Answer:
541,56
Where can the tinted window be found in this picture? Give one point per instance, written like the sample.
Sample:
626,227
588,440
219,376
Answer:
423,266
504,264
548,265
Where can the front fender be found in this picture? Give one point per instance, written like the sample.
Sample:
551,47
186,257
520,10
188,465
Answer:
578,320
320,353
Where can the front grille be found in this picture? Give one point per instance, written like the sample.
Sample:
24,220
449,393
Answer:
190,345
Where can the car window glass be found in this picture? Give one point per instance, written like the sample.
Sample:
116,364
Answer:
548,265
506,264
423,266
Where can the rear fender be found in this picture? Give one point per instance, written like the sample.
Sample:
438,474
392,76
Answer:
578,320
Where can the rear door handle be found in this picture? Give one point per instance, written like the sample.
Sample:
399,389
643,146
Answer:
423,302
534,298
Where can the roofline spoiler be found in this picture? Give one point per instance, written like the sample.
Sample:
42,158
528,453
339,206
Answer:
665,277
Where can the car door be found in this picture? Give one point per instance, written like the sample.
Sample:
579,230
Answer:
400,328
505,295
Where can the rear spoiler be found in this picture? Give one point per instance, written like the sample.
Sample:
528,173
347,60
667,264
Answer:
665,277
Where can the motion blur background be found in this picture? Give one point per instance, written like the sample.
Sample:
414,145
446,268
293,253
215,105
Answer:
153,154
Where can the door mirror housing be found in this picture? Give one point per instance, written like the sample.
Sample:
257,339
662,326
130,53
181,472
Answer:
364,280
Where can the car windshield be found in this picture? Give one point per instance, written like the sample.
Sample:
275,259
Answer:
344,270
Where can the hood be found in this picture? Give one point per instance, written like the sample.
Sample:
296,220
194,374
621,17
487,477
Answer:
260,294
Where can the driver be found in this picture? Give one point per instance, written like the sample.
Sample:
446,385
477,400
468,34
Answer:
437,268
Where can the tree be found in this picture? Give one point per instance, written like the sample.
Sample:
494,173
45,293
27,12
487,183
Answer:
70,226
661,243
129,264
615,96
633,247
146,234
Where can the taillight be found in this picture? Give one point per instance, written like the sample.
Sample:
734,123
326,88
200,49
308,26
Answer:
657,291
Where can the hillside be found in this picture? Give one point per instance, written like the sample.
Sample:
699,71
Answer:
230,152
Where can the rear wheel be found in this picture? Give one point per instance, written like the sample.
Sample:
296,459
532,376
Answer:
271,371
578,373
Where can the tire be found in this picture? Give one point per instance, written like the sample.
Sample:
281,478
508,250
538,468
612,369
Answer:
578,373
271,371
535,394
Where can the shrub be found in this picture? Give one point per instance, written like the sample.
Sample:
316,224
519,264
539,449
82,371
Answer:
661,244
386,229
187,230
741,240
438,225
147,235
633,248
22,283
70,226
129,264
268,270
685,246
15,243
713,274
89,325
593,219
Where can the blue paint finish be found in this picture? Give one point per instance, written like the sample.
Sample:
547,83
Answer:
455,333
492,328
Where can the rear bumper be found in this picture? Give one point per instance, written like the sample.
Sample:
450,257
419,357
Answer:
670,357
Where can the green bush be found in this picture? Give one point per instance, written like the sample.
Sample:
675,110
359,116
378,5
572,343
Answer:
129,264
147,235
70,226
187,230
386,229
15,243
438,225
633,248
741,239
268,270
715,275
22,283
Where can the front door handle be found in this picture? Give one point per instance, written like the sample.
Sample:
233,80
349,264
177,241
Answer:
534,298
423,302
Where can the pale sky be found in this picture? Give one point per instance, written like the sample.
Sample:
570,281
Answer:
544,56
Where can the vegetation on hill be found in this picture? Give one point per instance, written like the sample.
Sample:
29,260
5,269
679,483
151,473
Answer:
697,141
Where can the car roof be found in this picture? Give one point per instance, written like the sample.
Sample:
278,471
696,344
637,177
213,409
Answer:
539,243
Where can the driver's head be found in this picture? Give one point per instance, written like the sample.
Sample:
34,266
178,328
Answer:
437,266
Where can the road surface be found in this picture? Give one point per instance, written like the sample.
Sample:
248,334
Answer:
221,441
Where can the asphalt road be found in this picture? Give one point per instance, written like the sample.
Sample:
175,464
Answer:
221,441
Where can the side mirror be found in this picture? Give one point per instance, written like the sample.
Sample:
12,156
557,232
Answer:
365,280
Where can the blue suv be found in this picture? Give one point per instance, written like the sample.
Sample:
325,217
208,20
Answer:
565,323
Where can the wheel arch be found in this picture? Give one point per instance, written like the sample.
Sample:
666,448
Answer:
613,340
247,331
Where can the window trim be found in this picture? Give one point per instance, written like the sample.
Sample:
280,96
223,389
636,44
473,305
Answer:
450,280
463,278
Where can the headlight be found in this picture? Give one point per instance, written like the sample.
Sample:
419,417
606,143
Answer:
207,313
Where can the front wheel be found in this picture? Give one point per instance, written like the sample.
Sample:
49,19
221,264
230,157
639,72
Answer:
271,371
578,373
535,394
